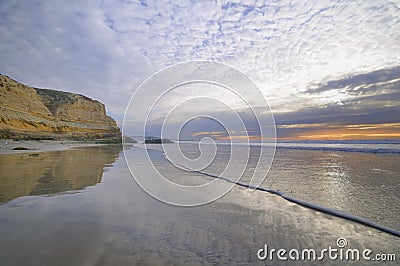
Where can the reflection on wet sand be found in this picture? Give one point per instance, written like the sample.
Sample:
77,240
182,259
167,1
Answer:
54,171
363,184
117,223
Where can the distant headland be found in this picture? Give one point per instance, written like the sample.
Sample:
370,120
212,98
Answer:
31,113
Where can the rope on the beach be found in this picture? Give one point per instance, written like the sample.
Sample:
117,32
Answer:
303,203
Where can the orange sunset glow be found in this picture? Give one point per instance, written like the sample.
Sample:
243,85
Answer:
344,132
317,132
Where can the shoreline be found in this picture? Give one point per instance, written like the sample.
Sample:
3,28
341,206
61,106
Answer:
62,192
35,146
309,205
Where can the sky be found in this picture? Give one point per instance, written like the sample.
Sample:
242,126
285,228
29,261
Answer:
328,69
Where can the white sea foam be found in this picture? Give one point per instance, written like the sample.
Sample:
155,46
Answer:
369,146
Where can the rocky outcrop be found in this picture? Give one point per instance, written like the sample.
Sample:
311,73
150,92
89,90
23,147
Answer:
31,113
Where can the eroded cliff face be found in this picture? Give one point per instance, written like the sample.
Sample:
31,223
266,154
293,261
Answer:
31,113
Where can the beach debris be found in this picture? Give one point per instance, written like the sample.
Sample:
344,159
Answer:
21,149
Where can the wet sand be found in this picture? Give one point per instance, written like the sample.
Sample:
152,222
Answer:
52,172
114,222
7,146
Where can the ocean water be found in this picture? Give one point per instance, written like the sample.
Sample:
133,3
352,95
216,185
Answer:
357,177
82,207
360,178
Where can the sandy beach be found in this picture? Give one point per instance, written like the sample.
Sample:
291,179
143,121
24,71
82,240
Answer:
199,133
8,146
111,220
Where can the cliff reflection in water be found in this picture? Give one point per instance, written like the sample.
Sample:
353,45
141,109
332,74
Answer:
54,171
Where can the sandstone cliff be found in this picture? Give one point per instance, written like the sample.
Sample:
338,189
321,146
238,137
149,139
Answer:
31,113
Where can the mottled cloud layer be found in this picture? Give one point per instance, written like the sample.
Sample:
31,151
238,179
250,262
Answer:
315,61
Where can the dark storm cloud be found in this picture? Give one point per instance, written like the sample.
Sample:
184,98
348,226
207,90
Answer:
339,114
363,83
371,98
